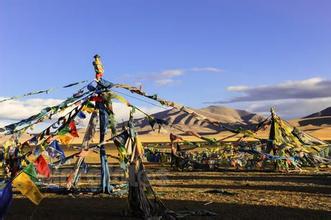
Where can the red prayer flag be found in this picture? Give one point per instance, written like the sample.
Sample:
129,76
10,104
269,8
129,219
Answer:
73,129
42,166
96,99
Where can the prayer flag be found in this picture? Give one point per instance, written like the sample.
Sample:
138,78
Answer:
6,196
64,139
31,171
81,115
42,166
26,186
73,129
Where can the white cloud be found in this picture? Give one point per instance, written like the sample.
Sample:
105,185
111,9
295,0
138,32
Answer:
18,109
302,89
15,110
168,77
172,73
289,109
237,88
207,69
163,82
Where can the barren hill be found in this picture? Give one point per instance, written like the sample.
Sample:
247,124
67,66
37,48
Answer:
185,121
318,119
324,113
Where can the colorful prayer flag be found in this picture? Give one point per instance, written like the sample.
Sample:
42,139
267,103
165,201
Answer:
81,115
88,107
6,196
42,166
31,171
64,139
54,149
140,148
73,129
26,186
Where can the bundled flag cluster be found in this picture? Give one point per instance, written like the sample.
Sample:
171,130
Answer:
25,182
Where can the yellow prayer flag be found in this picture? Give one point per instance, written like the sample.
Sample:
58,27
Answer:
27,187
64,139
87,109
8,143
140,148
121,99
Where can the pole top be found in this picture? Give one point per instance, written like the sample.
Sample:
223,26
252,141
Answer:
272,110
98,67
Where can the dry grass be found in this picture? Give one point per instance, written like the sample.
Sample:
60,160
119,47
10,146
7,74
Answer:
253,195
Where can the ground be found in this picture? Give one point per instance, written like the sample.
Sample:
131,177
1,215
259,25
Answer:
242,195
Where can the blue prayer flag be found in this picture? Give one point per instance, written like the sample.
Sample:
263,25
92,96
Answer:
6,195
55,149
81,115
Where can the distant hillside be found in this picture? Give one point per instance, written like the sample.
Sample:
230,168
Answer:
319,119
230,115
188,122
324,113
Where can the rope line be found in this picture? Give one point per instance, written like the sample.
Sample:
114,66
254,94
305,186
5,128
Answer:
47,91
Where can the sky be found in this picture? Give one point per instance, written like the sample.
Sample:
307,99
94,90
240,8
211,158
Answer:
243,54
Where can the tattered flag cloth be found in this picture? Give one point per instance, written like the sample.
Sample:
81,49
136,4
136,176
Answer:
88,107
54,150
64,139
99,86
34,140
31,171
11,128
46,113
6,196
64,131
26,186
73,177
42,166
81,115
121,142
73,129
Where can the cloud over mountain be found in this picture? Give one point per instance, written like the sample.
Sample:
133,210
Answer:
301,89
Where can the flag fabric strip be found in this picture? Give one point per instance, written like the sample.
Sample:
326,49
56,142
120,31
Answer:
42,166
26,186
6,195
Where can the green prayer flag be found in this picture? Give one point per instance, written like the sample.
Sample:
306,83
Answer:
89,104
64,130
31,171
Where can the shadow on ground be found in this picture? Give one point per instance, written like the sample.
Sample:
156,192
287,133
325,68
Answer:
317,179
114,208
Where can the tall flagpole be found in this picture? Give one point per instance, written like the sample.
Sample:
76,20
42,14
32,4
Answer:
104,113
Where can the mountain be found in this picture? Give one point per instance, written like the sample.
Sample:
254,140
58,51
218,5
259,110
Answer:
230,115
184,121
324,113
318,119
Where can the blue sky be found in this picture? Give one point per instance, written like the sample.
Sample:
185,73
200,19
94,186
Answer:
189,51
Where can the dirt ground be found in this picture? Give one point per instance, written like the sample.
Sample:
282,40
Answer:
242,195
